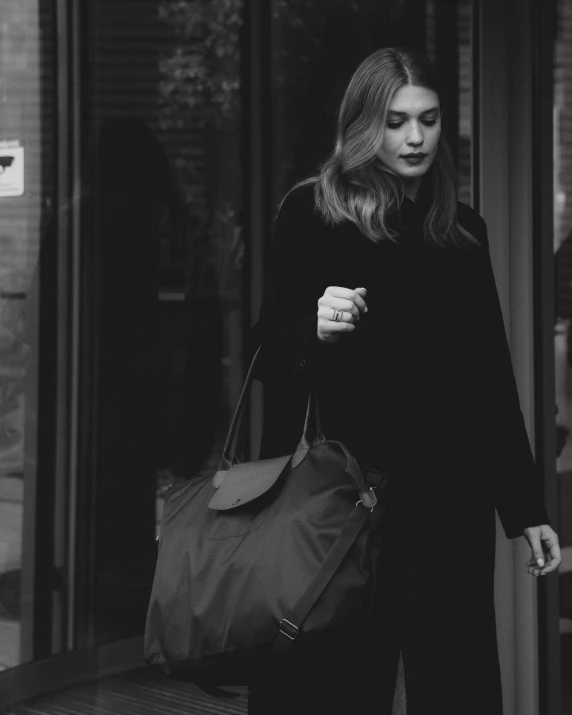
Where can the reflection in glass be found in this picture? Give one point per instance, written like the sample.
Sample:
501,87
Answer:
316,46
439,17
306,39
164,279
25,190
563,327
465,100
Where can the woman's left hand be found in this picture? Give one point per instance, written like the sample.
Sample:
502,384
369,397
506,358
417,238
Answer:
546,556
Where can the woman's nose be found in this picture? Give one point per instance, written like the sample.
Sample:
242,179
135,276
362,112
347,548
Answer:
415,135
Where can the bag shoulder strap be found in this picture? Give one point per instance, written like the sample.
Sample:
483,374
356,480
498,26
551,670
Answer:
290,625
312,426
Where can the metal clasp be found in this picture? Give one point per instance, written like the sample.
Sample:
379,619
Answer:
288,629
368,499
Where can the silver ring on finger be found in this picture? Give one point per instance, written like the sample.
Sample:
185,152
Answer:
338,315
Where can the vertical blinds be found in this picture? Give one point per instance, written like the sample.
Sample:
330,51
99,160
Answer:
128,41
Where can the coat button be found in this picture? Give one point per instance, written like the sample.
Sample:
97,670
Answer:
299,366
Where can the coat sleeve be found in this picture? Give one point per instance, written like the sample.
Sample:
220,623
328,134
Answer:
517,485
288,320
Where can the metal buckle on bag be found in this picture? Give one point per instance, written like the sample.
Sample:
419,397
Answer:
368,499
289,629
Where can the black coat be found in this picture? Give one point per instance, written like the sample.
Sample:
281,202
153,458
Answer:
423,387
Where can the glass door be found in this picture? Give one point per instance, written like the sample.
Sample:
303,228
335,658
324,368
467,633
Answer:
306,48
562,223
28,352
162,272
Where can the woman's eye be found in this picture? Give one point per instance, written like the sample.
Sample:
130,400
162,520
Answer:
427,123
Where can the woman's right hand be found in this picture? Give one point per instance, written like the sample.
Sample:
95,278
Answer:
349,304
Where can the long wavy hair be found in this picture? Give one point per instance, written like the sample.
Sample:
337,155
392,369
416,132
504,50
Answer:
353,184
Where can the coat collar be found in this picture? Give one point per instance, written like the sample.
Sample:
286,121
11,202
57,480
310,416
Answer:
411,214
420,206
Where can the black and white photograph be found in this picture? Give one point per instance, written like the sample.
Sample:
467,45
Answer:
285,357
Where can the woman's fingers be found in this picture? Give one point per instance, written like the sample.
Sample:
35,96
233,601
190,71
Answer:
362,305
337,315
338,310
355,296
553,558
546,554
327,324
350,310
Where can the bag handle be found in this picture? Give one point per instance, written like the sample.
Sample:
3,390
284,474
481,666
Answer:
312,434
312,424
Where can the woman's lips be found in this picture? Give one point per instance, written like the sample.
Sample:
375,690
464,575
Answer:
414,159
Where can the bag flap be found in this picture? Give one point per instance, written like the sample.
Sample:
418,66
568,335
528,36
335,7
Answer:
247,481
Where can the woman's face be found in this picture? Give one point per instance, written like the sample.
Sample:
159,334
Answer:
413,126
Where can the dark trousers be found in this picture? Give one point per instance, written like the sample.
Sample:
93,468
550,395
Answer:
436,606
333,678
350,671
343,672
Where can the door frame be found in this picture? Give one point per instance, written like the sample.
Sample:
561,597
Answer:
545,21
48,502
518,212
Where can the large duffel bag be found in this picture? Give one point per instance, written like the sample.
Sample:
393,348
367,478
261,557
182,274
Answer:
265,555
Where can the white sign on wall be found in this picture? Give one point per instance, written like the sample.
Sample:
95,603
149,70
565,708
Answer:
11,169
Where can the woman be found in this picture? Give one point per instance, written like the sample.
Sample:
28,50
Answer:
382,295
